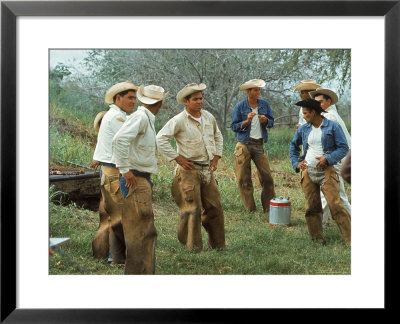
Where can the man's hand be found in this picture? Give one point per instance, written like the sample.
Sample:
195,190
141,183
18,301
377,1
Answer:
323,162
302,165
187,165
298,125
214,162
249,118
130,179
263,119
94,164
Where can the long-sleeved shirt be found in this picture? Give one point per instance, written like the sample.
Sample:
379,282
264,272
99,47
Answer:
134,145
198,142
110,124
240,112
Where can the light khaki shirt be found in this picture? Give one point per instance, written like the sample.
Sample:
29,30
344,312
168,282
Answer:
195,142
134,145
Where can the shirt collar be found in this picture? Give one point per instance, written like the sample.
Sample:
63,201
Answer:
115,107
324,122
147,112
189,115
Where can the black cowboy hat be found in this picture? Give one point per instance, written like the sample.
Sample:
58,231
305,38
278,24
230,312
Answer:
312,104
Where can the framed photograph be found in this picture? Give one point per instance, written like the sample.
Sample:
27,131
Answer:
30,28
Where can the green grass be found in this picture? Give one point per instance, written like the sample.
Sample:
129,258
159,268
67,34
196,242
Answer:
253,247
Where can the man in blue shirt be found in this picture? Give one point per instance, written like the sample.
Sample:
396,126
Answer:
324,144
250,120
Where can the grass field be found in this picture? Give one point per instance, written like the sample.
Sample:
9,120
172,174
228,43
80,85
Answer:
253,246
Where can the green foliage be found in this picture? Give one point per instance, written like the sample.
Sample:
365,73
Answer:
222,70
69,149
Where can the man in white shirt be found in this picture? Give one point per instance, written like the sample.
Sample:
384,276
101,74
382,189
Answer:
122,99
305,86
328,98
194,188
134,151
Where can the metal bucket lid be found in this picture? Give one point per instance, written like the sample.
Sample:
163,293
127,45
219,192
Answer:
280,201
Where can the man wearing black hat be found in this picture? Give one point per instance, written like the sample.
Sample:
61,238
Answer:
324,144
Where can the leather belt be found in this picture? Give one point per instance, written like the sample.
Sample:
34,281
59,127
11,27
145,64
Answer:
256,141
110,165
200,164
141,174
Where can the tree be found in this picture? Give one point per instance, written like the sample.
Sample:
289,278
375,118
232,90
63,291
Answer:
222,70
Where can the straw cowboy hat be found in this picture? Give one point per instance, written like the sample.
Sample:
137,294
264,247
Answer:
188,90
117,88
310,103
255,83
307,85
98,119
320,91
151,94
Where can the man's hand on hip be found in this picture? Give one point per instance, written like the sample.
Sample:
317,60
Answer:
130,179
214,163
187,165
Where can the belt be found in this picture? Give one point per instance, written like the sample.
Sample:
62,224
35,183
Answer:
141,174
200,164
256,141
110,165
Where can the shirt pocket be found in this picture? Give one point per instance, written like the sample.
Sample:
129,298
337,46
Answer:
194,147
329,140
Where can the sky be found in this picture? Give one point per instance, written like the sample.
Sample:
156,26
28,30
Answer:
66,56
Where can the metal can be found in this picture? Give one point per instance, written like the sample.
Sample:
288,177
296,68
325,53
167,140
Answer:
279,212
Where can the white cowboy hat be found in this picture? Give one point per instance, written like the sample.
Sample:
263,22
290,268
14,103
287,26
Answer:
255,83
188,90
331,94
117,88
307,85
98,119
151,94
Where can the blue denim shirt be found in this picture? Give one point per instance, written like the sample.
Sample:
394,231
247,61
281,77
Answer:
240,112
334,143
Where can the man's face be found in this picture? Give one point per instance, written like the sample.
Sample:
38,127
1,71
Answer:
325,103
253,93
127,102
308,115
304,94
195,103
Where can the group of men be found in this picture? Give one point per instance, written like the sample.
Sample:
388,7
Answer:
127,149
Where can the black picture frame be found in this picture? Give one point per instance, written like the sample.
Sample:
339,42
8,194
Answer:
10,10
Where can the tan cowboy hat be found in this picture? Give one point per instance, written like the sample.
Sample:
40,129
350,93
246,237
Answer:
331,94
307,85
188,90
255,83
151,94
117,88
98,119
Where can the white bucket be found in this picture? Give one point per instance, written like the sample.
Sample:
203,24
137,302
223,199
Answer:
279,212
